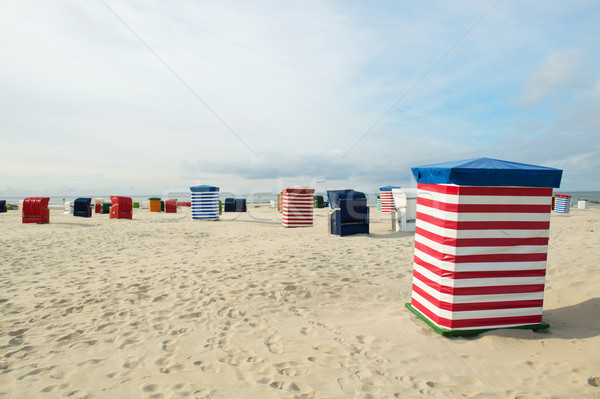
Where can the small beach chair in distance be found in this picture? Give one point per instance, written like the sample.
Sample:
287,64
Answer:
122,207
349,212
98,205
67,207
240,205
229,205
399,214
153,204
318,201
82,207
171,206
405,210
35,210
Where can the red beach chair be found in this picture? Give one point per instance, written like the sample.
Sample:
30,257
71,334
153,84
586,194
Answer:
171,206
122,207
35,210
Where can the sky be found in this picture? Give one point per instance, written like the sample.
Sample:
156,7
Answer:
140,97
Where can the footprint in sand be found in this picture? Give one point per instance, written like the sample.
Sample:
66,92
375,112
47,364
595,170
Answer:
327,361
70,336
274,345
290,368
365,339
169,345
79,394
334,350
254,322
185,391
368,378
294,386
172,369
18,333
309,331
132,363
53,388
112,375
41,370
153,391
231,357
207,367
90,362
204,393
348,385
164,360
160,297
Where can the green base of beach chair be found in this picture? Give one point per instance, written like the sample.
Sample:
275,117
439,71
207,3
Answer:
450,333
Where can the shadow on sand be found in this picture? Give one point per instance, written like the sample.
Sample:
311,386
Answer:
570,322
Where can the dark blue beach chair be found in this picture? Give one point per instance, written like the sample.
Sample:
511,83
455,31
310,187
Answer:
349,212
229,205
82,207
235,205
240,205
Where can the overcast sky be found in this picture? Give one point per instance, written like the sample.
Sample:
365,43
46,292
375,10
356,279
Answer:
137,97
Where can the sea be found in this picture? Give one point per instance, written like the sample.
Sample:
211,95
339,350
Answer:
593,198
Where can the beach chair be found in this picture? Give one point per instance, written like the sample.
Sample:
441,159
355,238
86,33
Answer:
153,204
318,201
349,212
240,205
98,205
229,205
234,205
105,208
82,207
399,213
405,210
122,207
35,210
171,206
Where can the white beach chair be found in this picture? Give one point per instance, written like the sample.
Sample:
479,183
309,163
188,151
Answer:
405,205
399,213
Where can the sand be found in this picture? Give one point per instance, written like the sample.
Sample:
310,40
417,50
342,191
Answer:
165,307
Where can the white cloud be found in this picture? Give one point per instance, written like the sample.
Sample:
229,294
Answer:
561,74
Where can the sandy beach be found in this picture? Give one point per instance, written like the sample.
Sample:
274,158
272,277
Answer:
163,306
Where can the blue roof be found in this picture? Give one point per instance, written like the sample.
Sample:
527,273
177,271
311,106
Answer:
488,172
203,188
388,188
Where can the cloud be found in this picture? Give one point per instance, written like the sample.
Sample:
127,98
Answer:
562,73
